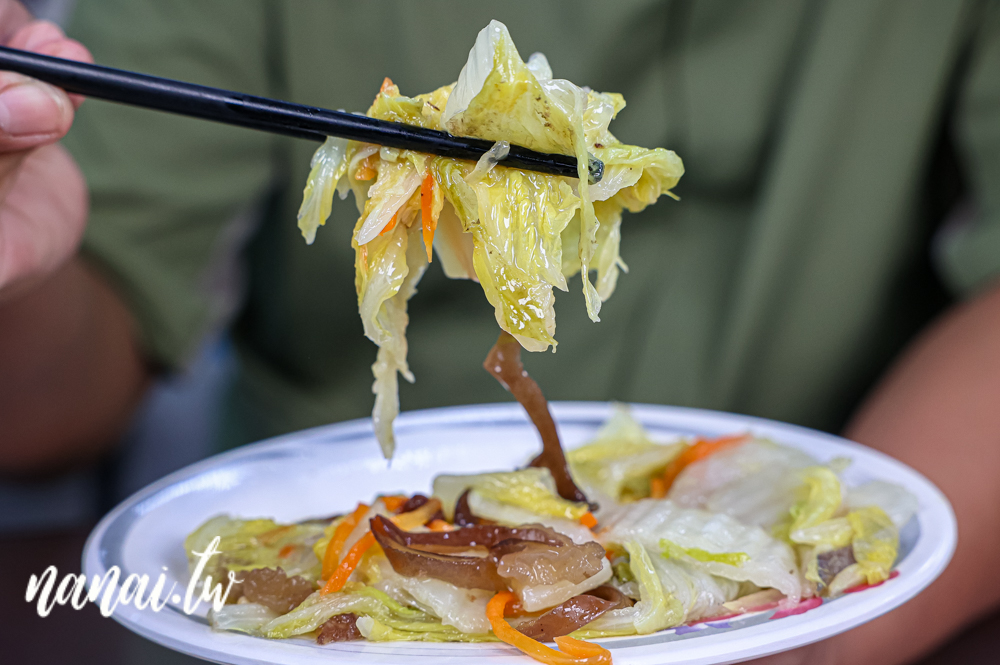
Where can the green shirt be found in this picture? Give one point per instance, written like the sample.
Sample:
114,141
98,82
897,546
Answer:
821,140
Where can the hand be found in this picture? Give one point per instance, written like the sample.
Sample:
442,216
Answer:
43,196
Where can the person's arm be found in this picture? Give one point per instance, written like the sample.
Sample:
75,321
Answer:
70,371
937,410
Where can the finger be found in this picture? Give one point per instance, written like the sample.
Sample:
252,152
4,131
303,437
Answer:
35,34
70,49
13,16
9,163
47,38
32,113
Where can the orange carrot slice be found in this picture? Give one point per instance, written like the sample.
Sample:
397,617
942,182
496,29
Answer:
391,225
394,502
347,566
332,556
588,520
440,525
699,450
575,652
428,220
417,517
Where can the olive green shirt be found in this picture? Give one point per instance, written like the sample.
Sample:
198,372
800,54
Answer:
843,161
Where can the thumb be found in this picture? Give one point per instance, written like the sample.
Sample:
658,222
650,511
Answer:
32,113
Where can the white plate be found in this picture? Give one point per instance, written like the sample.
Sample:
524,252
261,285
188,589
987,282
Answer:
330,469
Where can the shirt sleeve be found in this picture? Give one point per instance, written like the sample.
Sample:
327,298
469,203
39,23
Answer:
968,251
173,198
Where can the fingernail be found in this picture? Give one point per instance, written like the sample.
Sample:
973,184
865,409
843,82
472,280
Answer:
29,108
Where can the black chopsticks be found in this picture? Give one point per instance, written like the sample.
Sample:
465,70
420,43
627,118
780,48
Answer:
269,115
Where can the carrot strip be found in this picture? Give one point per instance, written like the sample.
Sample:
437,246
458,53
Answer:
286,551
428,220
581,649
394,502
588,520
363,254
332,556
417,517
364,172
699,450
387,86
336,571
391,225
440,525
575,652
347,566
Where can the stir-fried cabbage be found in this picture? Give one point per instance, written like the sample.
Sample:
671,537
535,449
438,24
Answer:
678,564
519,234
876,542
895,501
329,164
531,489
376,630
317,609
701,594
769,562
755,482
243,618
672,550
510,515
248,544
821,502
618,463
656,609
460,608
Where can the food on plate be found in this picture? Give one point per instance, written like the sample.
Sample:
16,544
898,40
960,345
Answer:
625,535
518,233
643,535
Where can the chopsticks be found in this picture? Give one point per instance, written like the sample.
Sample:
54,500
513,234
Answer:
269,115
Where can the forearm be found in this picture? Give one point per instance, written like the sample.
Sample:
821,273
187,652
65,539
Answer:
70,371
938,410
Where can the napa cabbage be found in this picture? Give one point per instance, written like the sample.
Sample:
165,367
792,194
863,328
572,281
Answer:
655,610
762,559
619,461
531,489
757,482
248,544
520,234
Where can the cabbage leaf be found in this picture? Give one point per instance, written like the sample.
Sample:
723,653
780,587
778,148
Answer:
619,461
519,234
532,489
756,482
769,563
656,609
